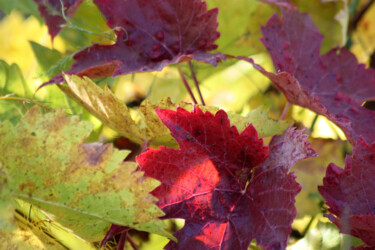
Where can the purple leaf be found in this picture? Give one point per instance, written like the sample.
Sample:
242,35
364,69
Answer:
150,35
350,193
333,85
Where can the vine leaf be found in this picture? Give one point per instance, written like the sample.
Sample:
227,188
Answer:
216,181
349,193
103,104
149,129
150,36
259,118
51,11
333,85
85,187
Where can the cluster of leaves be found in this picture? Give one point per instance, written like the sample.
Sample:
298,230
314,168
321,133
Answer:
196,162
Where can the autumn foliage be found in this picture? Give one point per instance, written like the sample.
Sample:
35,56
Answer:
226,172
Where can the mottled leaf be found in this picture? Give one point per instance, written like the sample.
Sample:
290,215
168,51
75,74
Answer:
84,187
205,181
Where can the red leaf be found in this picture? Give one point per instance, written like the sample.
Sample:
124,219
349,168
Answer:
150,35
350,193
205,181
50,10
333,85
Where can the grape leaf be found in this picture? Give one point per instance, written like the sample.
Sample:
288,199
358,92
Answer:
349,193
149,129
259,118
85,187
205,181
333,85
51,11
150,36
104,105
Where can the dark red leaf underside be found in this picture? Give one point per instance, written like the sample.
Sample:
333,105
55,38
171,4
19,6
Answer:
204,182
50,10
150,35
350,193
333,85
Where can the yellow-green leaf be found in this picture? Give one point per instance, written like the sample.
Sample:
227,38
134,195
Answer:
260,120
84,187
101,103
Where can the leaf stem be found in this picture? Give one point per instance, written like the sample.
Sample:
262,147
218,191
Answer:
25,100
121,243
285,111
183,78
308,226
358,16
196,82
69,24
313,123
132,243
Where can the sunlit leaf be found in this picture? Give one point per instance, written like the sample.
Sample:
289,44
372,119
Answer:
104,105
311,171
90,188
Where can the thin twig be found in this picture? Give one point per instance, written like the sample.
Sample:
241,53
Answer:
25,100
132,243
313,123
358,16
285,111
308,226
196,82
183,78
72,25
121,243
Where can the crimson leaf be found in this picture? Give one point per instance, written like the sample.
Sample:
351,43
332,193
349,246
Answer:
150,35
333,85
350,193
216,183
51,11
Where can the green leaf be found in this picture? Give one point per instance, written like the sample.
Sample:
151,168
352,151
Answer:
12,80
86,27
260,120
84,187
310,173
51,61
331,17
12,84
240,35
25,6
